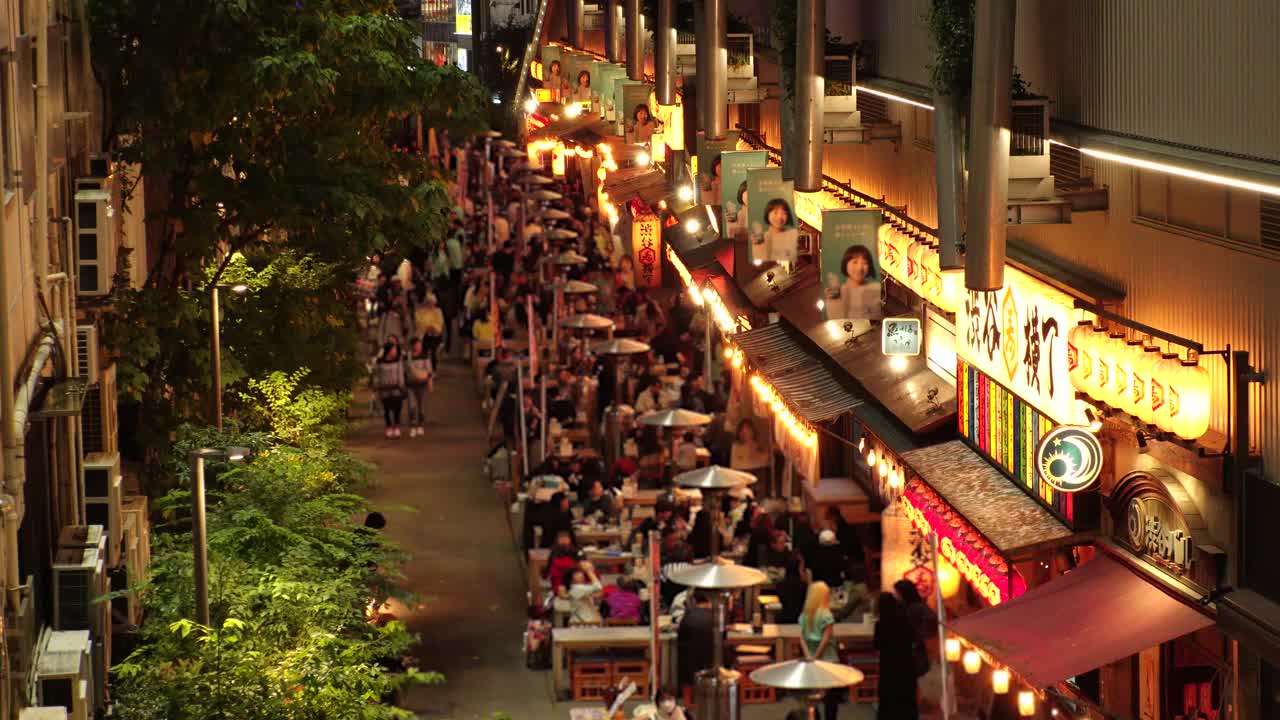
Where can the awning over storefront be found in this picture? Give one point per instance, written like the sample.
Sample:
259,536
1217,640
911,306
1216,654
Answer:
1254,620
647,184
1099,613
781,354
581,130
1005,515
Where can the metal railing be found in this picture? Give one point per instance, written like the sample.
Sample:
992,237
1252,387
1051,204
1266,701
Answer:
847,192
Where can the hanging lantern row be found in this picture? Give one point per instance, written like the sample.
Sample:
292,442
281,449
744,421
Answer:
768,394
971,658
887,469
1134,376
911,258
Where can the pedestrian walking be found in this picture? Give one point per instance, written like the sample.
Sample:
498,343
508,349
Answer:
420,380
895,638
389,383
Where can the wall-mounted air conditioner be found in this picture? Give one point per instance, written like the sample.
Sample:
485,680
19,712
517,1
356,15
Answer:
102,493
63,675
87,352
95,239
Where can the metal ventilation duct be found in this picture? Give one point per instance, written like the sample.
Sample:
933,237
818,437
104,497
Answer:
664,56
613,30
635,41
811,41
715,26
990,109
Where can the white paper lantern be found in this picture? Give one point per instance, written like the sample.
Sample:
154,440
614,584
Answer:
1099,381
1189,399
1144,370
1166,373
1080,356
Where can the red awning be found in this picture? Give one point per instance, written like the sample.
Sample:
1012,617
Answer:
1099,613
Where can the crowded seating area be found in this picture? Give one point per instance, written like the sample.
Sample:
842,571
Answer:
600,394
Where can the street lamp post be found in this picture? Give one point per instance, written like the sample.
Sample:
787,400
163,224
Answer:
199,534
215,321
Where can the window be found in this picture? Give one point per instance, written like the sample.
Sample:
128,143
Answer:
1236,218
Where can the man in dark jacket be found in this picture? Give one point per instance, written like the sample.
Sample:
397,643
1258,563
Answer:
694,639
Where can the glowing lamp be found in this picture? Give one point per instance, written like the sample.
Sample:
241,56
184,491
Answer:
952,649
862,444
728,353
685,193
1162,402
1080,355
1100,379
972,662
884,468
531,104
1189,398
948,579
692,226
557,161
658,147
737,361
572,110
1118,384
871,457
1143,372
1000,682
1026,704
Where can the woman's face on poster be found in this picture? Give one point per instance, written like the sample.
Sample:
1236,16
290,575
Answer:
777,217
857,269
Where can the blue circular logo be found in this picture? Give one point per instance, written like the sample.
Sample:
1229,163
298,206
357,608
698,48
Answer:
1069,458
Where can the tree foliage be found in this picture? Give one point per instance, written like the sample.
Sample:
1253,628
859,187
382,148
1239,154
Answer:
292,573
261,128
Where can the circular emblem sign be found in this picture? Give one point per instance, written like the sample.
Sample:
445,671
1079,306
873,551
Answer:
1069,458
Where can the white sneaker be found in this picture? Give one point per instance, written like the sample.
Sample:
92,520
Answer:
388,432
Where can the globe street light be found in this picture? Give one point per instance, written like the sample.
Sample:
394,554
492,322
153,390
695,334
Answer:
199,535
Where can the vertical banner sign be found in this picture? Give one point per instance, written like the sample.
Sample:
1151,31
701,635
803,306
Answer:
710,170
628,95
462,19
646,246
733,188
533,336
1017,335
851,278
772,222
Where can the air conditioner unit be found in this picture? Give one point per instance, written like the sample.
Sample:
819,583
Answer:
43,713
79,577
82,536
95,239
63,674
102,494
87,352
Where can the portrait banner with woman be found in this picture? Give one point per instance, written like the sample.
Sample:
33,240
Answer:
629,99
772,221
851,276
734,165
709,165
606,98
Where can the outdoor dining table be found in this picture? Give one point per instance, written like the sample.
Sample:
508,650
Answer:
605,560
782,639
600,534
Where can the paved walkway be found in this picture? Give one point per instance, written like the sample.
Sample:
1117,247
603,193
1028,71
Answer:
442,510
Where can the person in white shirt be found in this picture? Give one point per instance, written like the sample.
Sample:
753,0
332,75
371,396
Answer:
581,590
650,400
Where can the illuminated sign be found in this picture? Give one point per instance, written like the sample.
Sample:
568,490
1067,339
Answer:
1018,336
1157,529
646,242
1006,429
462,18
1069,458
914,263
974,558
900,336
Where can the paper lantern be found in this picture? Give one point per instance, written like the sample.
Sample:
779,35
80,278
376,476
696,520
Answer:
1026,703
972,662
948,579
1100,380
952,285
1189,399
1118,384
952,648
1165,374
1144,369
1000,681
1079,355
915,267
658,148
557,161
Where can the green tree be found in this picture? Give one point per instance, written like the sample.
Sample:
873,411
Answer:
262,127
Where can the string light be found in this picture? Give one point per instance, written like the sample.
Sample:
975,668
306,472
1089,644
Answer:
952,647
972,662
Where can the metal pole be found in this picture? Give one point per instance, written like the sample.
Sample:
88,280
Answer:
217,356
811,42
942,631
715,24
635,42
664,56
612,38
991,109
543,455
524,434
718,601
199,540
573,8
655,587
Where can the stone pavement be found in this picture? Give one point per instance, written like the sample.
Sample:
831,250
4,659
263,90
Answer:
463,562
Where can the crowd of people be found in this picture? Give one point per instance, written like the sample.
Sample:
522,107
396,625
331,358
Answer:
487,292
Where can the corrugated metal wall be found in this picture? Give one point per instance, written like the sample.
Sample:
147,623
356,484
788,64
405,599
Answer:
1183,71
